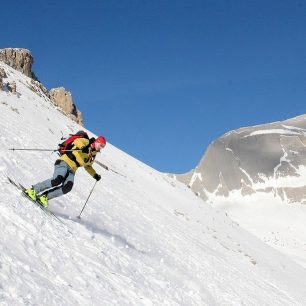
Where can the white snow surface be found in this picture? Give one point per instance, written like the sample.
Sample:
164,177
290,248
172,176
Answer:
274,131
144,238
276,222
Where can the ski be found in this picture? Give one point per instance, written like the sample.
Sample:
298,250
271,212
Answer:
46,210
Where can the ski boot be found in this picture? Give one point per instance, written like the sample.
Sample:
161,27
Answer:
43,200
30,193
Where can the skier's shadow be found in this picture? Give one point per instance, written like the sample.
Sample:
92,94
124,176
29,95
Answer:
117,239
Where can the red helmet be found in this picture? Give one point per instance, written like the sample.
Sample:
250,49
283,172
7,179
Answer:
99,143
101,140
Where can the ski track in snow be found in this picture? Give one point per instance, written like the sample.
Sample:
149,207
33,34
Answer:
144,239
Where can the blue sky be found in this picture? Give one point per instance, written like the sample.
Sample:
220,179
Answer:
162,79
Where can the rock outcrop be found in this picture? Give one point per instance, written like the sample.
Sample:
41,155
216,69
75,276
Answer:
2,73
11,86
2,76
63,99
269,158
22,60
19,59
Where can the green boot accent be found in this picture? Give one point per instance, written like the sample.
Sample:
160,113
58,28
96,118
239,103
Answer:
43,200
31,193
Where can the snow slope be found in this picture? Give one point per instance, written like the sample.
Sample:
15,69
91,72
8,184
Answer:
277,223
144,239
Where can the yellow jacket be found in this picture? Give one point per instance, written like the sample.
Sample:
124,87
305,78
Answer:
76,159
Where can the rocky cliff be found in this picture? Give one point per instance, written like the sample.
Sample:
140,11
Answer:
269,158
19,59
63,99
22,60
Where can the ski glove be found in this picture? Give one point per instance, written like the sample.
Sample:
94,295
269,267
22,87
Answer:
97,177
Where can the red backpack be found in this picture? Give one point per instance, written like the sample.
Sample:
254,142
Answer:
68,143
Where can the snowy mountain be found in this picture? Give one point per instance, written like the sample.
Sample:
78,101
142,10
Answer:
144,238
269,158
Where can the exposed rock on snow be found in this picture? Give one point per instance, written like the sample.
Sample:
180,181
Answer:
2,76
63,99
2,73
12,87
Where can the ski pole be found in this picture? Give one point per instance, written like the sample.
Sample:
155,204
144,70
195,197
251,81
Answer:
108,169
79,216
47,150
44,150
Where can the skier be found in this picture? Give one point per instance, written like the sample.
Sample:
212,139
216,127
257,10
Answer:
82,154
